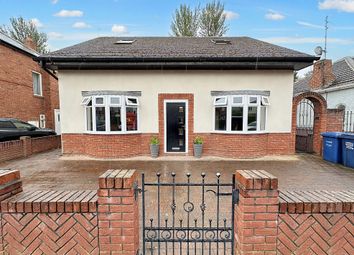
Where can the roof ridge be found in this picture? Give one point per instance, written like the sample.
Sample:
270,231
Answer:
350,62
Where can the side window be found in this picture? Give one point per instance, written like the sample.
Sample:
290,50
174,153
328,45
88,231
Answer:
37,83
6,125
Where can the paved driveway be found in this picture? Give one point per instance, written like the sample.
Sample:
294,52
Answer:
303,171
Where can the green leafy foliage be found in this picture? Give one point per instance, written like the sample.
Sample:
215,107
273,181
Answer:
154,140
198,140
21,29
208,21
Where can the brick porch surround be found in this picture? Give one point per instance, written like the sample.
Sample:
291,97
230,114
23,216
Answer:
267,221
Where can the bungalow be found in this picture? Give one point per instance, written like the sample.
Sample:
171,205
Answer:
116,93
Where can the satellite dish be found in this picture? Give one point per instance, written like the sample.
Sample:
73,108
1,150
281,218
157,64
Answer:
318,50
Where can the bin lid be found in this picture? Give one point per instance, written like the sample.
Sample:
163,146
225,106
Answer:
333,134
348,136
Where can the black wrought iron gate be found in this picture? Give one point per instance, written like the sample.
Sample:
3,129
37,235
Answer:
195,216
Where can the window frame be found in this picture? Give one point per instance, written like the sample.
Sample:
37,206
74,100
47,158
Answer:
40,84
220,104
245,104
107,104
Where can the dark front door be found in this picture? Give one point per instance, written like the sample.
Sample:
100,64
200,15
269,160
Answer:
176,127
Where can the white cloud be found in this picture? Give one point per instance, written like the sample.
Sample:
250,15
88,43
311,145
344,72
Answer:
119,29
55,35
306,40
229,15
81,25
307,24
273,15
69,13
36,22
55,1
339,5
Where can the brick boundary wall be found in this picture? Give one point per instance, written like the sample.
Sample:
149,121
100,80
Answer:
118,213
291,222
316,222
70,222
27,146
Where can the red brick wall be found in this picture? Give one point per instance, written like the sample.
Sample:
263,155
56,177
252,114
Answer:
335,120
17,99
27,146
322,75
316,222
11,150
222,145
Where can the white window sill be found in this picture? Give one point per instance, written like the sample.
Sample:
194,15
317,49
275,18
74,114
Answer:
239,132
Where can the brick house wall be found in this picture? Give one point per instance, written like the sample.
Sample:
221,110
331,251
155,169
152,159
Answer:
16,89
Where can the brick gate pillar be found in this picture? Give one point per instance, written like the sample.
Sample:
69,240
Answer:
256,213
118,219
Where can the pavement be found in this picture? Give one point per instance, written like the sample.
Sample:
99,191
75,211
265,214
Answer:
50,170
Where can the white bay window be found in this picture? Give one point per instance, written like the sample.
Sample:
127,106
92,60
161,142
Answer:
111,114
240,113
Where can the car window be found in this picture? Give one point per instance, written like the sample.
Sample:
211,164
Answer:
22,125
6,124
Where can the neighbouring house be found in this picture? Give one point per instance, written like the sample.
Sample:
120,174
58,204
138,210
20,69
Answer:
28,91
236,93
335,82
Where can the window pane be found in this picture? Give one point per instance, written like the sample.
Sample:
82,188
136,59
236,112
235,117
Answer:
237,100
132,118
115,100
252,119
237,119
220,100
6,124
36,84
263,118
132,101
89,124
22,125
115,117
253,100
99,100
100,119
220,118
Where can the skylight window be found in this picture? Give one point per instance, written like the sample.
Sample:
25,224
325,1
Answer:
221,41
125,41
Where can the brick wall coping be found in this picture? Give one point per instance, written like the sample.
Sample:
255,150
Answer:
51,201
117,179
256,180
322,201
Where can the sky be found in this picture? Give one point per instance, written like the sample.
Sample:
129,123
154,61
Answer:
294,24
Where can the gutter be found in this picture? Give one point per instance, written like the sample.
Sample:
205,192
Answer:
337,88
252,63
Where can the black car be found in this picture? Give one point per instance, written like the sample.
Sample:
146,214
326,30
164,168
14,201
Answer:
12,129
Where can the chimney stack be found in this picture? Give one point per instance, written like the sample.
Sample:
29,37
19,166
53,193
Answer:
322,75
29,43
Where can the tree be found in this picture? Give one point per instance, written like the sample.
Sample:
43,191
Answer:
185,21
20,30
205,22
212,20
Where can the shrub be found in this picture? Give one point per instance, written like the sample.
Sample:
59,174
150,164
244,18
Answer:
154,140
198,140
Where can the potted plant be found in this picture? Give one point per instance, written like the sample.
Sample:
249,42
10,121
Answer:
154,146
198,146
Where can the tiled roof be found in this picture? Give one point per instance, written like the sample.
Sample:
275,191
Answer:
175,47
343,70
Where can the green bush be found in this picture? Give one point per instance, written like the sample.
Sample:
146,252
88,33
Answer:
198,140
154,140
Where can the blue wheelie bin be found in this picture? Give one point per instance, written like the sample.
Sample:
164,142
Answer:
348,149
332,150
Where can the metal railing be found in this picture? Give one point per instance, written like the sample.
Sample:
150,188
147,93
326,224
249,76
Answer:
348,123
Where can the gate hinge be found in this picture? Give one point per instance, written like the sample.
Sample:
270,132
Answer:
137,190
235,196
